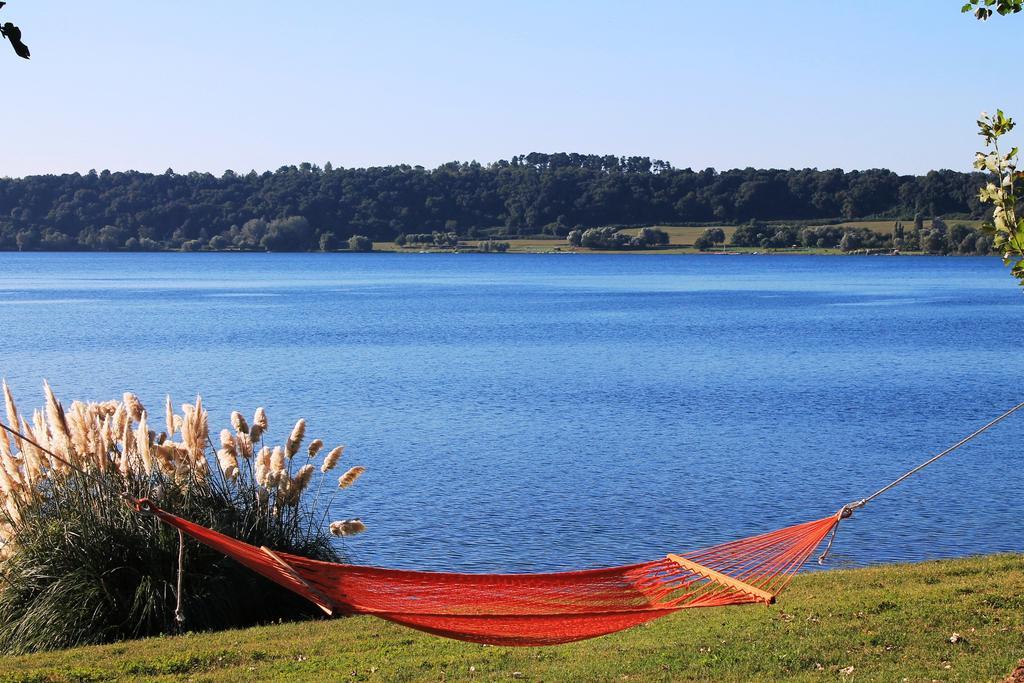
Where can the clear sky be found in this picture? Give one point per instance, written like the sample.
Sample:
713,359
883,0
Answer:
216,84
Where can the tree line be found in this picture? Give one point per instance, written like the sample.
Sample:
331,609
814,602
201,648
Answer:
308,207
933,237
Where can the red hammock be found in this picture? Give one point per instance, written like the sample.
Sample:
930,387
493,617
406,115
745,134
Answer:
535,609
543,609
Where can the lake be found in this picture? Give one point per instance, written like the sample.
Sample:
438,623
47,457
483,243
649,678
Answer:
541,412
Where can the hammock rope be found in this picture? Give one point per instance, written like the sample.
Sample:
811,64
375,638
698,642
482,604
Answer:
847,510
541,608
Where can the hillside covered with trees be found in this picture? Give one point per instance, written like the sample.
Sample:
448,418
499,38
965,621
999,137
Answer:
307,207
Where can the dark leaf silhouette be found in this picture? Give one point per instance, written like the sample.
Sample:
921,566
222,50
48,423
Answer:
13,34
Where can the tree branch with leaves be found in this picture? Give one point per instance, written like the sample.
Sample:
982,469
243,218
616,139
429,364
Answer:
982,9
1006,228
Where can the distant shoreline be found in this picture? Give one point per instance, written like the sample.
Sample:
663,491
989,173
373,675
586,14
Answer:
871,238
670,252
851,238
513,251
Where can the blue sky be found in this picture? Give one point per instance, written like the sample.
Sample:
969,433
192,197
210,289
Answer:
211,85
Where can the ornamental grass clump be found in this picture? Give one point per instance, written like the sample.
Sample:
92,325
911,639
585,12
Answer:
79,565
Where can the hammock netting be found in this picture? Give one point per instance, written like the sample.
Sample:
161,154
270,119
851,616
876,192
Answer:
535,609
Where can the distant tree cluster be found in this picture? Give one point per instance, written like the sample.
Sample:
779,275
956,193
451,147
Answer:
609,237
938,238
436,239
758,234
935,238
709,239
360,243
822,237
294,207
493,247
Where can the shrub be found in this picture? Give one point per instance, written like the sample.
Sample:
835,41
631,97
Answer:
709,239
444,239
649,237
80,566
329,242
610,238
360,243
292,233
756,234
933,242
219,242
822,237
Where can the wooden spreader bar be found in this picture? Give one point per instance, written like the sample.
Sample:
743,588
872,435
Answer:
315,596
719,577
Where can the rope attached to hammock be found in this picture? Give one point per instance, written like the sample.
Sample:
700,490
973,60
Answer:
846,511
179,597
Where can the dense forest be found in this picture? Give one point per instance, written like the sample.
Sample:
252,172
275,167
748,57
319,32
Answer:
308,207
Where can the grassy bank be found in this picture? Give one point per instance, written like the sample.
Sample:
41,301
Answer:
888,623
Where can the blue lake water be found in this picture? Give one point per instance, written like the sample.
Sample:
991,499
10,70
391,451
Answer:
543,412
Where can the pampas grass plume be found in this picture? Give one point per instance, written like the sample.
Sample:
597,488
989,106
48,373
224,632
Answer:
12,412
348,527
169,416
303,478
142,440
239,423
295,440
349,478
332,459
132,405
119,419
78,423
128,449
262,466
244,445
56,419
277,463
228,463
5,442
165,458
227,441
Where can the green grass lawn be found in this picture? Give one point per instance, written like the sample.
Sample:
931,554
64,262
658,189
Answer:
890,623
686,236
